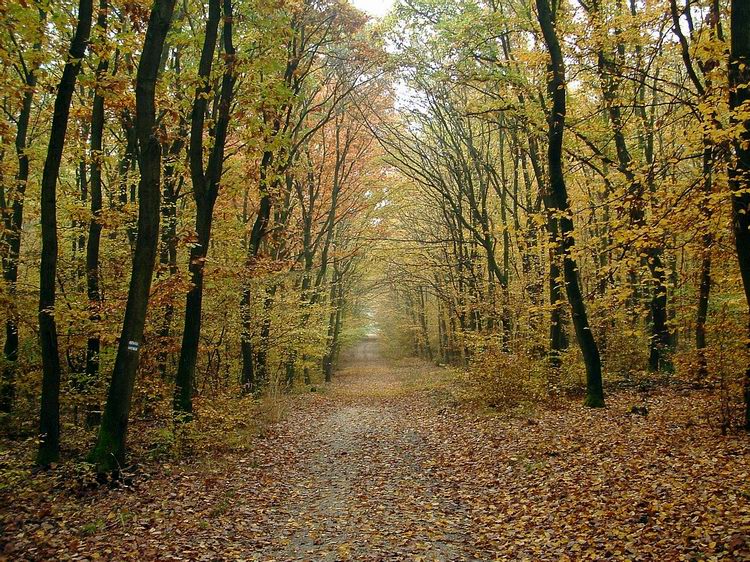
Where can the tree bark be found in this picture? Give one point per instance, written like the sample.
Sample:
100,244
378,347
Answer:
330,343
256,236
11,236
558,199
168,249
109,451
95,225
423,325
711,156
49,417
739,167
558,343
206,190
659,342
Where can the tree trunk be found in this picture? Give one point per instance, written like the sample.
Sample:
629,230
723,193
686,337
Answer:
49,418
609,71
183,402
95,225
206,190
704,286
423,325
261,356
109,451
256,236
710,157
558,343
335,341
11,236
739,167
168,251
558,199
333,301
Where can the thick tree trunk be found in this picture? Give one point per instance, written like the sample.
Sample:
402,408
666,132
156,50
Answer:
660,341
739,167
558,198
127,163
49,418
109,451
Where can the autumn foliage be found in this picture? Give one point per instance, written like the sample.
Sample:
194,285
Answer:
539,210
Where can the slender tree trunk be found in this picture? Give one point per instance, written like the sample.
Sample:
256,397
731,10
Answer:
183,402
609,71
109,451
739,167
333,301
261,357
173,182
11,236
168,251
95,225
78,227
704,286
256,236
414,327
248,374
442,337
558,198
206,190
423,324
710,157
335,343
204,205
536,286
49,418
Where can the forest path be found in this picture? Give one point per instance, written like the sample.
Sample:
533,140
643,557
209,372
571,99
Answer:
392,462
362,488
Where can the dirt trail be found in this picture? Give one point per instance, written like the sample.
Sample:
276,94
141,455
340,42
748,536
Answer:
362,488
384,464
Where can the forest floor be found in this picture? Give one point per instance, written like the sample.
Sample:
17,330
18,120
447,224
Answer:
386,464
